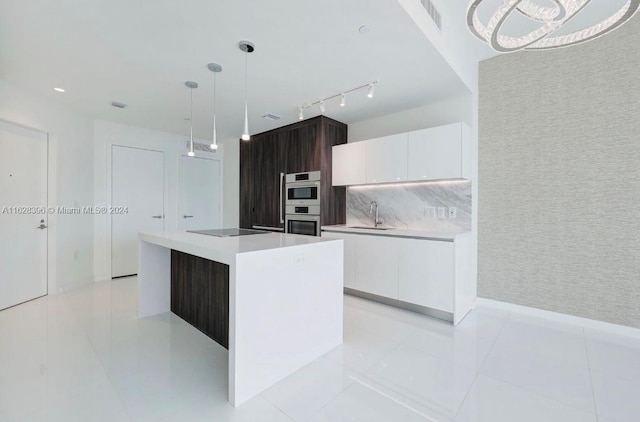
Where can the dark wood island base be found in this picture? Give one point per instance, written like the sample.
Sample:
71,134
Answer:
200,294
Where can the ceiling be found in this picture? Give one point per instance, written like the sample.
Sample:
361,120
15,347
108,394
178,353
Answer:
140,52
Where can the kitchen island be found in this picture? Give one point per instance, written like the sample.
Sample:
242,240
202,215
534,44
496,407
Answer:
285,297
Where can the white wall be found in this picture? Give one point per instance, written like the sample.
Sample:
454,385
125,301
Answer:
107,134
72,173
457,109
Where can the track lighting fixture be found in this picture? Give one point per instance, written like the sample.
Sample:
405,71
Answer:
343,99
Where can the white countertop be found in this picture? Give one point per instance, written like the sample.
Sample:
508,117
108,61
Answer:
417,234
224,249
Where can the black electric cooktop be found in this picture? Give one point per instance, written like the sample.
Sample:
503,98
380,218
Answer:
227,232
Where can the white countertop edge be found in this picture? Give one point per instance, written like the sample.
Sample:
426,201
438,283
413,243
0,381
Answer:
409,233
225,249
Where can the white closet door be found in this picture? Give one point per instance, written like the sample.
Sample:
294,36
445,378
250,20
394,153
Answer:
199,194
23,215
137,183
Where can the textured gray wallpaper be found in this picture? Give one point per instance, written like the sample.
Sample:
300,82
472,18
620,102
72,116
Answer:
559,178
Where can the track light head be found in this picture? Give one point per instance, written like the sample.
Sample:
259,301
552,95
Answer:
343,100
371,91
300,113
322,107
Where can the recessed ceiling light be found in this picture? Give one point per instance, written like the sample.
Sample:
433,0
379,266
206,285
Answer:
118,105
58,89
364,29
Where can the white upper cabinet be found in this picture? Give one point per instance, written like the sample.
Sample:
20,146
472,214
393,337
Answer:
386,159
348,164
442,152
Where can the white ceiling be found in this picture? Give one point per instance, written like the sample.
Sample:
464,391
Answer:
140,52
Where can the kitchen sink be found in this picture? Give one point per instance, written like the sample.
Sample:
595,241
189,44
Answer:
369,227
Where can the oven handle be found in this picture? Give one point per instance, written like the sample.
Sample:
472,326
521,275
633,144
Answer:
281,187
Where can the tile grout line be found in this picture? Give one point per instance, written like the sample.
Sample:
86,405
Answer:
484,361
542,395
111,384
391,385
365,373
593,392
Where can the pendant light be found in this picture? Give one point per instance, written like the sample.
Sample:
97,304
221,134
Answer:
247,47
191,85
215,68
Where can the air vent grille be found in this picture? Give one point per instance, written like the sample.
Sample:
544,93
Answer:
271,117
201,147
433,12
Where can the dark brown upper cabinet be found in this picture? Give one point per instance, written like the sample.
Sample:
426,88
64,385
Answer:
299,147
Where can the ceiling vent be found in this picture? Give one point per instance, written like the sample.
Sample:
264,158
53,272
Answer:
433,12
197,146
118,105
271,117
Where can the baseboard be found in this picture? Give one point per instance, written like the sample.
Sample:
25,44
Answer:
434,313
592,324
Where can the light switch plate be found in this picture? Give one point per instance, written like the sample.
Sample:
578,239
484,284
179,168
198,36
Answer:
441,212
430,212
453,212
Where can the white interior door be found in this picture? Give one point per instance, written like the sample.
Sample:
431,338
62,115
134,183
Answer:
199,194
23,215
137,185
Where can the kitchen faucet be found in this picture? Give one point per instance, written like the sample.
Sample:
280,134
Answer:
377,220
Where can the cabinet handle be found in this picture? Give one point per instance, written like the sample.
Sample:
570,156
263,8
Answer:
281,187
156,216
187,216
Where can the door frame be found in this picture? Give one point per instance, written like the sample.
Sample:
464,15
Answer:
52,218
179,184
109,226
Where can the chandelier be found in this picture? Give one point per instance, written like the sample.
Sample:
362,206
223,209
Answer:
549,19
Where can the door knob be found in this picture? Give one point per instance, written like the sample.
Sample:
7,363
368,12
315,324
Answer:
42,226
187,216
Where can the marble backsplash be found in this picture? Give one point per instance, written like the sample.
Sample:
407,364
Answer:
406,205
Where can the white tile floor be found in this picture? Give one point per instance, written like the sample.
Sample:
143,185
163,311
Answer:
84,355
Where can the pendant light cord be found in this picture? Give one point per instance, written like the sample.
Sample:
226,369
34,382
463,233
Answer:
246,60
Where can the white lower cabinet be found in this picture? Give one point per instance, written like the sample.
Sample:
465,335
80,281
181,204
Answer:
349,256
430,273
426,273
377,265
